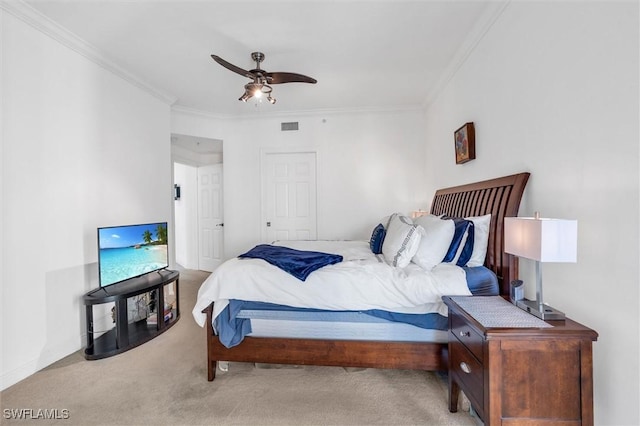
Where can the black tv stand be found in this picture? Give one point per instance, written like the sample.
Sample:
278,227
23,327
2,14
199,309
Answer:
125,335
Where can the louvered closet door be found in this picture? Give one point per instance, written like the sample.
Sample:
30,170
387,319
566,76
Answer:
289,194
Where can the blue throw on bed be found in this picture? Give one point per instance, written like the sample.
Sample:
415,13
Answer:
298,263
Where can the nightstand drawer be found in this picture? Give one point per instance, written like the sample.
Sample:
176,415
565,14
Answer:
466,335
469,373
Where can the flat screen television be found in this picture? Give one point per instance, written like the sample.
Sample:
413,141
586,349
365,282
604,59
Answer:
130,251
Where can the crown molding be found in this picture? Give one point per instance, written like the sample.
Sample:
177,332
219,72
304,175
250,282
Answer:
47,26
200,113
340,111
301,113
483,25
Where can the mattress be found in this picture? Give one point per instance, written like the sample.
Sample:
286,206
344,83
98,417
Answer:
257,319
405,302
336,326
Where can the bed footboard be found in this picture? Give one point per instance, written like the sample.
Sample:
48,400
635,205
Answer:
343,353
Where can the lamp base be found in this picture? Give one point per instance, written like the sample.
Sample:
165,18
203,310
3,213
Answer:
547,313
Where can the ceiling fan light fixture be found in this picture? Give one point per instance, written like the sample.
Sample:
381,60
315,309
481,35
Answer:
259,87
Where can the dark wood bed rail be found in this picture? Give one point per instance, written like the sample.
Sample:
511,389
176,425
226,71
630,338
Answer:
338,353
500,197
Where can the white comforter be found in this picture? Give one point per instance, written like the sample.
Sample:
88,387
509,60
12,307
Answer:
361,281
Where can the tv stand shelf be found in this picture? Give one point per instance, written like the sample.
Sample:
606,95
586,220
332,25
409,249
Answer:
125,335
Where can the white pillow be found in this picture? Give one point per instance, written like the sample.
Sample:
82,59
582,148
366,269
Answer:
385,222
402,240
480,240
435,241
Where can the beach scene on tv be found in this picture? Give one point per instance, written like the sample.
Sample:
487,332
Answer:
130,251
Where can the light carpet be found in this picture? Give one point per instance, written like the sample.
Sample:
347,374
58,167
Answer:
164,382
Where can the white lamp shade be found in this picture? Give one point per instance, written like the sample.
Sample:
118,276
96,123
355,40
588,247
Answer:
544,240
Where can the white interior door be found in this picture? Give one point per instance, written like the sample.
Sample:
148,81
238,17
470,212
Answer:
289,195
210,217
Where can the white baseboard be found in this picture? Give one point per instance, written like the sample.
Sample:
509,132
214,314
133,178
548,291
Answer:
12,377
48,356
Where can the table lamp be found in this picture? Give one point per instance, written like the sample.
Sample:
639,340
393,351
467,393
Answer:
542,240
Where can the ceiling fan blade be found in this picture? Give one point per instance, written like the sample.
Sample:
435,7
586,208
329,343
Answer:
232,67
288,77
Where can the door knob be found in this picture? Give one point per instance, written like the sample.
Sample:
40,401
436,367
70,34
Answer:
219,224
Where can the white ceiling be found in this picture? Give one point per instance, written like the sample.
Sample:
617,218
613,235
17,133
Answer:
364,54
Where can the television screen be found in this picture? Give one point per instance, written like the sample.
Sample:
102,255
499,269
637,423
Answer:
130,251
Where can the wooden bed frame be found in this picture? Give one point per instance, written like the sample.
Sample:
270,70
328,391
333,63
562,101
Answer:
500,197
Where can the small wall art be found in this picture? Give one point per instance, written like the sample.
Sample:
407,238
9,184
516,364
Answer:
465,143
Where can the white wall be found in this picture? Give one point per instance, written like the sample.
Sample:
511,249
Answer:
186,216
2,184
82,148
369,165
553,89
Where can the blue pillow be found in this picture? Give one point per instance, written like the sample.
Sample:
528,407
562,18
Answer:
377,238
463,227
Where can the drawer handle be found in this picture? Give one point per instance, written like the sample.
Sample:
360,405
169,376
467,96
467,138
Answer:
465,367
465,334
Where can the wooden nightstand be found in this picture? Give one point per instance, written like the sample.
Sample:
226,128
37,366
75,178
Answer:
515,373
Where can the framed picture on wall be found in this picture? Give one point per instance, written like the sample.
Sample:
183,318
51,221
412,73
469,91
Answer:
465,143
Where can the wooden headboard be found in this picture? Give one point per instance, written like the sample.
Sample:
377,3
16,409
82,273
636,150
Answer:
500,197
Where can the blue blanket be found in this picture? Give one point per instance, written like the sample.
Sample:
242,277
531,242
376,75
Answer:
231,330
296,262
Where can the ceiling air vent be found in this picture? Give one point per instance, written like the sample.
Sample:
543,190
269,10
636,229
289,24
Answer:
289,126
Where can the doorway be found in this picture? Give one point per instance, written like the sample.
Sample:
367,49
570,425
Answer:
198,211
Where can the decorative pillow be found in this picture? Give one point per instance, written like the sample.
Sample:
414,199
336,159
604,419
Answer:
461,246
435,241
481,239
402,240
377,238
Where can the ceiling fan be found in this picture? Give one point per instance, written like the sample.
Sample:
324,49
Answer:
261,79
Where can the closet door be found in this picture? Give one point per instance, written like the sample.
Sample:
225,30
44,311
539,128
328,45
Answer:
289,196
